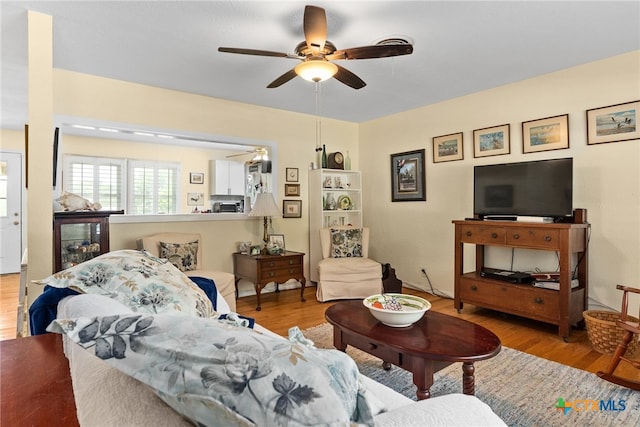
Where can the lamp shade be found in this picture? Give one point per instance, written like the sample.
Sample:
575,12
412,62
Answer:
265,205
316,70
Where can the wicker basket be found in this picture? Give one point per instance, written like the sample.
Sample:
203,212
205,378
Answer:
603,332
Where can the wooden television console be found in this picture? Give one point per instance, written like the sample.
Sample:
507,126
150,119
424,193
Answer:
563,307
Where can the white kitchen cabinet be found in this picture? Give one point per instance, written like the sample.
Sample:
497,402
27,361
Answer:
227,177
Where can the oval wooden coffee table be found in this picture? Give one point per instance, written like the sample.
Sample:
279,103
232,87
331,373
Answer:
435,341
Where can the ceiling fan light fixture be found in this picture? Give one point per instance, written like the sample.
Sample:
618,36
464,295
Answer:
316,70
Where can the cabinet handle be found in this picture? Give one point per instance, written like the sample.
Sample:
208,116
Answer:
291,262
474,288
469,234
538,300
494,235
516,236
291,271
547,238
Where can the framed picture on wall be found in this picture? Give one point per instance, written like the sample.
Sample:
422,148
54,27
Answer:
613,123
493,141
292,208
447,148
196,178
292,174
551,133
408,177
291,190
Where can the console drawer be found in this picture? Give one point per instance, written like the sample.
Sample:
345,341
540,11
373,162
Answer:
534,238
483,235
516,299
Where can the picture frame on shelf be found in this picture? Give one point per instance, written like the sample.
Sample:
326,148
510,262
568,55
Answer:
291,190
278,240
492,141
613,123
196,178
291,174
408,176
255,250
195,199
292,208
447,148
550,133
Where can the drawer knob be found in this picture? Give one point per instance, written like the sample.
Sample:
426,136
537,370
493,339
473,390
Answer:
547,238
372,346
271,274
469,234
271,264
538,300
494,235
474,288
291,271
516,236
291,262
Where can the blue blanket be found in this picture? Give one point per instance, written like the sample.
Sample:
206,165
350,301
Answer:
45,308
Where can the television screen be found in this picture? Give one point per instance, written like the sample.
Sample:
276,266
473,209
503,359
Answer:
539,188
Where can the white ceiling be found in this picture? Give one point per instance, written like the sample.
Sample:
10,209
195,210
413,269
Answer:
459,48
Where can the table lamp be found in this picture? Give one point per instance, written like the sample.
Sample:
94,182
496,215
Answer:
265,206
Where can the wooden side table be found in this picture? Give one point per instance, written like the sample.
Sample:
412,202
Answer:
264,269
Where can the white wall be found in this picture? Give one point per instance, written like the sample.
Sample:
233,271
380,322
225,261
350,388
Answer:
413,235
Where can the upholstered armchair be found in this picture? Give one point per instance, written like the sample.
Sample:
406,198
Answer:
345,270
179,249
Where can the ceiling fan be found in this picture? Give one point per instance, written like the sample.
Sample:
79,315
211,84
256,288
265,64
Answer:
316,52
259,153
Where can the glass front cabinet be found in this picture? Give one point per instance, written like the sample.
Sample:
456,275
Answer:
79,237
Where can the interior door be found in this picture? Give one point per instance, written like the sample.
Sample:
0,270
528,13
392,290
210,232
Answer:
10,212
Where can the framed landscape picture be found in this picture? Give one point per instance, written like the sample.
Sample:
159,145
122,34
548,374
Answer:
613,123
291,190
551,133
408,177
447,148
493,141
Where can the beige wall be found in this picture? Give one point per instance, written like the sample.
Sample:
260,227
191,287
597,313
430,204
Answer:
415,235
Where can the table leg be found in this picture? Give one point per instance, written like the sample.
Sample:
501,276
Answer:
422,377
258,291
237,279
338,343
302,281
468,379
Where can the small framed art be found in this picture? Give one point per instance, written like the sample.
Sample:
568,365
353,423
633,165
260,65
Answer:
551,133
196,178
613,123
408,177
292,208
292,174
447,148
195,199
493,141
291,190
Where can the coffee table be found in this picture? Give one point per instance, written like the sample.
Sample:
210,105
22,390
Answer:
435,341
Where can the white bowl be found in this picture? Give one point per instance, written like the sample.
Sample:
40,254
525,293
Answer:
413,308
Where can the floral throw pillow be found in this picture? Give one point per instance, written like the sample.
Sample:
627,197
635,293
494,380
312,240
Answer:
138,280
346,243
207,370
183,255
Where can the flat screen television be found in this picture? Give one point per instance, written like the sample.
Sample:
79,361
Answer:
541,188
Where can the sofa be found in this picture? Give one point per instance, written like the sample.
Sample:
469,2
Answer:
169,339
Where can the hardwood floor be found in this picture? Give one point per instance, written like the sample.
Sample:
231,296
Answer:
282,310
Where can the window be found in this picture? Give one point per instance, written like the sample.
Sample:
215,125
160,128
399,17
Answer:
147,188
98,179
153,188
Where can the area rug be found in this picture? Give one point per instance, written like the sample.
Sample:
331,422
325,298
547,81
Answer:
524,390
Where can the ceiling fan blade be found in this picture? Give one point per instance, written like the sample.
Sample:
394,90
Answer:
283,79
373,51
347,77
315,28
256,52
